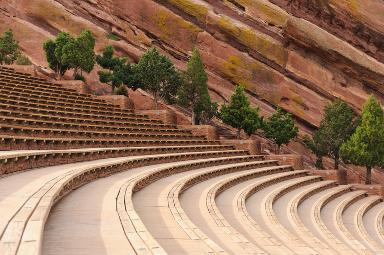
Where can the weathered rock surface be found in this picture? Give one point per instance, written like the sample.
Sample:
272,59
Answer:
295,54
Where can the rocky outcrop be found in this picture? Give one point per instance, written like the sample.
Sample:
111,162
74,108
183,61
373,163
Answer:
295,54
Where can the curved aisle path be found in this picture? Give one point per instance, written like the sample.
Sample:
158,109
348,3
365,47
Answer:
151,206
372,221
15,189
19,197
86,222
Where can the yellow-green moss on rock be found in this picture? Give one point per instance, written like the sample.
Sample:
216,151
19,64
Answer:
263,10
198,10
263,44
170,25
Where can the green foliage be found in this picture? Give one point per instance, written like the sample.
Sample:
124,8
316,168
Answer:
54,53
9,48
79,77
121,90
23,60
107,61
113,37
157,75
337,126
79,52
117,71
239,114
209,113
317,146
193,93
66,52
366,146
280,127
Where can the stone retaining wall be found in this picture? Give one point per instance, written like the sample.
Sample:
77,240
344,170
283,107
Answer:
210,132
118,100
251,145
166,116
288,159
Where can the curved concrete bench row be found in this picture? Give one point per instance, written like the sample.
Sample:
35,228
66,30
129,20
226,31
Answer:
341,207
141,181
17,129
21,230
134,127
359,224
176,189
20,105
295,221
259,234
76,119
379,226
36,98
268,214
240,243
8,142
14,161
48,89
323,231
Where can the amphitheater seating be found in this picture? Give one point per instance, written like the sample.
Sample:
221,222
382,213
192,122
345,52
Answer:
79,175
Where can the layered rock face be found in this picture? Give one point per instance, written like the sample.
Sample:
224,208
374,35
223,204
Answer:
297,54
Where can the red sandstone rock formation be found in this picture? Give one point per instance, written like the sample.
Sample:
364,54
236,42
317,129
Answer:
291,53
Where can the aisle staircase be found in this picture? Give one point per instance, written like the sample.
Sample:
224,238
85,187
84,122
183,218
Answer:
163,191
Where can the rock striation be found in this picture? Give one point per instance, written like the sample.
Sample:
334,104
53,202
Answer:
295,54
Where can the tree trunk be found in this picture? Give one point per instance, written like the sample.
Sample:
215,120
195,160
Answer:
193,118
59,75
155,100
278,149
342,176
368,177
319,163
57,71
74,73
238,133
337,161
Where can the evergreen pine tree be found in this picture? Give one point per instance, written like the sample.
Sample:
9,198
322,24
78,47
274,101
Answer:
317,146
280,127
9,48
337,126
239,114
193,93
366,146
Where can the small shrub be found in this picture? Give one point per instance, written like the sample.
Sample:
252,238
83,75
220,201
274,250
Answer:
79,77
122,90
23,60
112,36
